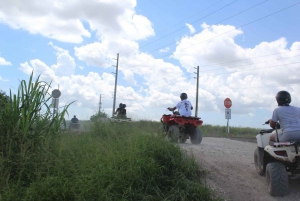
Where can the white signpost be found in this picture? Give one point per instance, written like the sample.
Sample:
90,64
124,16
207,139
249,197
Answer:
55,99
227,104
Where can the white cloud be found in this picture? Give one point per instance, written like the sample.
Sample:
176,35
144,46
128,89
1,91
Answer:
71,21
3,80
251,81
3,62
166,49
191,28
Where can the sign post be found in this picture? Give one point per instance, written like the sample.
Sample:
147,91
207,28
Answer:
55,98
227,104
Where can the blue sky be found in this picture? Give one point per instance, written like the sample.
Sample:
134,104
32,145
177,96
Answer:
245,50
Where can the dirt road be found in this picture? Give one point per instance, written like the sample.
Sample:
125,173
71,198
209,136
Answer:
231,170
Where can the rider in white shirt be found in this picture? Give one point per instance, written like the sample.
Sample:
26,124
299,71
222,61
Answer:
184,106
288,116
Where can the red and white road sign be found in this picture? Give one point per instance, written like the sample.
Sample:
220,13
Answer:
227,103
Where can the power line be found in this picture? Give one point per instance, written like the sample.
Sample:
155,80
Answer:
257,68
240,26
252,63
191,23
222,33
159,86
237,66
249,58
182,27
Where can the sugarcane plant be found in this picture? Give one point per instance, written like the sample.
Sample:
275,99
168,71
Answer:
27,126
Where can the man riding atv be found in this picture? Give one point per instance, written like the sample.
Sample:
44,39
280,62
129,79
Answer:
121,111
74,119
184,106
288,116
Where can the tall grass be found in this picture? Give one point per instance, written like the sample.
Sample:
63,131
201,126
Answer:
28,132
109,161
220,131
115,161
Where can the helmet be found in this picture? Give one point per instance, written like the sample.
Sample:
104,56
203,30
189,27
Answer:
283,98
183,96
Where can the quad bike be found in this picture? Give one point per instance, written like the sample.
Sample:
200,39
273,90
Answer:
74,125
180,128
120,118
278,160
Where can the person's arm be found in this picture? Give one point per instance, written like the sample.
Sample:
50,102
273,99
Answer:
171,108
272,123
274,119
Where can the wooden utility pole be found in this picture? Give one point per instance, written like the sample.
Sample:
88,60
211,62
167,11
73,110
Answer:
116,81
197,88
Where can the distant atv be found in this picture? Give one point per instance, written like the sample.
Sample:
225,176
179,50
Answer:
278,160
180,128
74,126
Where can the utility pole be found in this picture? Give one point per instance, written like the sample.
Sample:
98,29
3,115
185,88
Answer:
196,110
116,81
100,105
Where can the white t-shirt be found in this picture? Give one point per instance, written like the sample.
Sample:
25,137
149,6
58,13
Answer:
184,108
288,117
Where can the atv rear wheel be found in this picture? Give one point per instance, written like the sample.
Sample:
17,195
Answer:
173,133
196,136
258,161
277,179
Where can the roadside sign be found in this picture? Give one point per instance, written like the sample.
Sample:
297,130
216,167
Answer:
56,93
227,103
227,113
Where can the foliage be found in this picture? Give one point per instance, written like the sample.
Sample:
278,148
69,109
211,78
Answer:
98,115
220,131
114,161
27,131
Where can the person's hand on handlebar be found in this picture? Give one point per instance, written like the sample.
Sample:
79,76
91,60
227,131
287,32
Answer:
171,108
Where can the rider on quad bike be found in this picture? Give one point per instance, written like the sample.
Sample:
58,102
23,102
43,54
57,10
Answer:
121,111
74,123
184,106
181,125
278,150
288,116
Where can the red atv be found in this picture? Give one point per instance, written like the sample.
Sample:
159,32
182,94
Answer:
180,128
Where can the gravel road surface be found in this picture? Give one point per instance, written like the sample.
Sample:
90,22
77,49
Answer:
231,170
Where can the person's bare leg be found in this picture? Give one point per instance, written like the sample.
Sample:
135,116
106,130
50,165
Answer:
272,137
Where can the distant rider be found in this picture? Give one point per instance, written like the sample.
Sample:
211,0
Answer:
121,111
184,106
74,119
288,116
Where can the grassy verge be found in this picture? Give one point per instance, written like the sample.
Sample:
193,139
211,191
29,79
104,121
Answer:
113,161
220,131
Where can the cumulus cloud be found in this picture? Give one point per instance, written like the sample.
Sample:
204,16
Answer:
191,28
72,21
3,62
250,76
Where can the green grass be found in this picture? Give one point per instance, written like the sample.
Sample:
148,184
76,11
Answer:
104,161
220,131
113,161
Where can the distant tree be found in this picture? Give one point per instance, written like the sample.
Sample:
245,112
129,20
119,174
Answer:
98,115
4,99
